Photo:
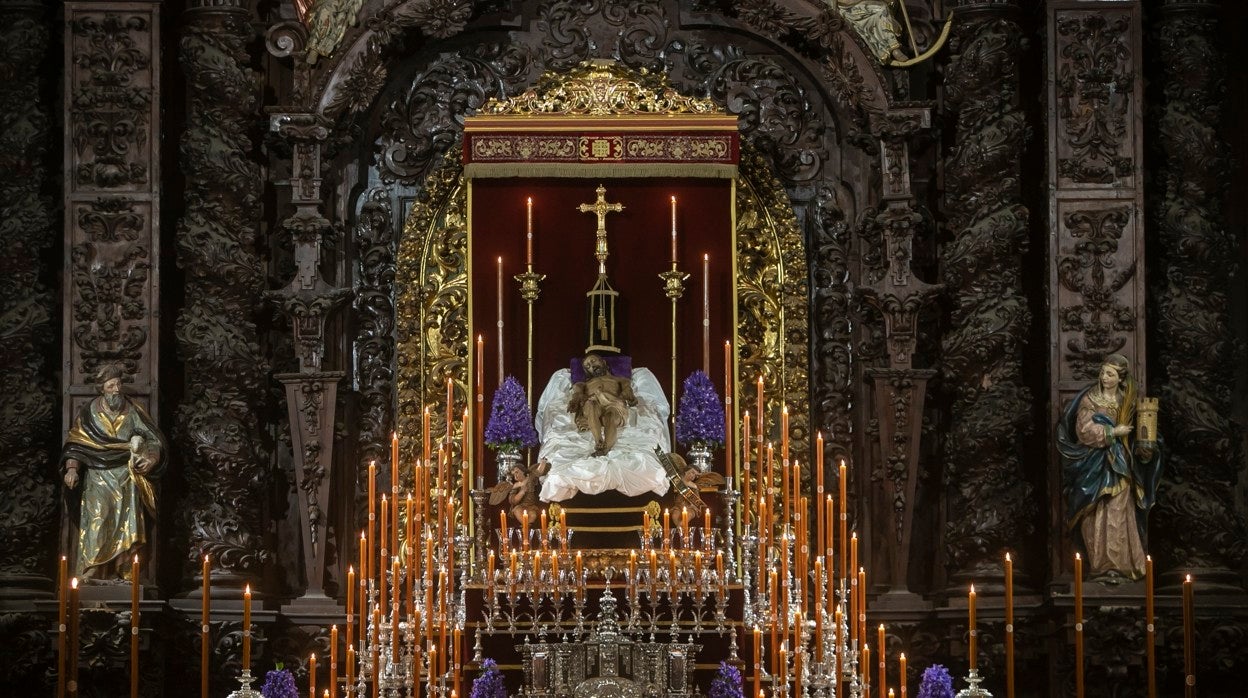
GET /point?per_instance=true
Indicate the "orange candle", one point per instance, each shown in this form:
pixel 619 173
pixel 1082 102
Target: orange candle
pixel 758 663
pixel 1078 626
pixel 837 619
pixel 350 657
pixel 728 441
pixel 543 529
pixel 312 676
pixel 204 626
pixel 1009 626
pixel 427 449
pixel 134 627
pixel 350 607
pixel 673 232
pixel 667 527
pixel 760 425
pixel 862 604
pixel 383 553
pixel 247 628
pixel 72 681
pixel 563 530
pixel 866 672
pixel 489 570
pixel 372 515
pixel 333 662
pixel 745 470
pixel 500 320
pixel 707 535
pixel 706 314
pixel 480 393
pixel 524 529
pixel 580 570
pixel 1150 627
pixel 844 512
pixel 394 464
pixel 881 660
pixel 820 533
pixel 901 673
pixel 62 599
pixel 1189 638
pixel 970 609
pixel 684 526
pixel 654 566
pixel 504 531
pixel 853 589
pixel 528 237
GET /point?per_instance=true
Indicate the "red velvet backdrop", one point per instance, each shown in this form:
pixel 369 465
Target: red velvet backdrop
pixel 639 242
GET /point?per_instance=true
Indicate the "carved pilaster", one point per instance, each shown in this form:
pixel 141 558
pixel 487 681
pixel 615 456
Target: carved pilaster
pixel 28 415
pixel 1198 527
pixel 219 422
pixel 1096 251
pixel 308 301
pixel 900 389
pixel 374 340
pixel 111 198
pixel 990 507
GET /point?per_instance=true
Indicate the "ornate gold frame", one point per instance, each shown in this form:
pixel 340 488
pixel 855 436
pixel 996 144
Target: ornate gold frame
pixel 770 312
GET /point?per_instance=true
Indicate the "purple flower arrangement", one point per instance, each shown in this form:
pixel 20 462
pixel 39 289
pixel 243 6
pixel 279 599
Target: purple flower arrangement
pixel 936 683
pixel 700 417
pixel 279 683
pixel 511 426
pixel 490 683
pixel 727 682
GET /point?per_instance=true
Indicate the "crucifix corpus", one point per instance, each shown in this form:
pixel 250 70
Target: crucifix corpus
pixel 601 208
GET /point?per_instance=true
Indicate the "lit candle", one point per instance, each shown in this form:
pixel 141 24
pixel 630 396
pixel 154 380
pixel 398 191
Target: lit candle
pixel 760 425
pixel 862 604
pixel 1189 638
pixel 853 589
pixel 1009 626
pixel 351 667
pixel 667 527
pixel 480 449
pixel 524 529
pixel 707 534
pixel 394 462
pixel 513 567
pixel 671 564
pixel 1078 626
pixel 312 675
pixel 504 531
pixel 866 673
pixel 673 232
pixel 350 606
pixel 1150 626
pixel 500 320
pixel 427 448
pixel 839 649
pixel 719 571
pixel 204 627
pixel 383 554
pixel 706 314
pixel 970 609
pixel 745 463
pixel 784 435
pixel 450 416
pixel 632 568
pixel 134 627
pixel 528 249
pixel 563 530
pixel 654 566
pixel 72 682
pixel 333 662
pixel 844 513
pixel 684 526
pixel 363 566
pixel 543 529
pixel 882 658
pixel 580 570
pixel 247 628
pixel 901 673
pixel 489 570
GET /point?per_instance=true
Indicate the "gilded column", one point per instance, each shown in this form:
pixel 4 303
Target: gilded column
pixel 1197 526
pixel 218 428
pixel 991 506
pixel 27 220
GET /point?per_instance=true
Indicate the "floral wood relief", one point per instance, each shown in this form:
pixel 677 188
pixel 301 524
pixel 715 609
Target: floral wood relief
pixel 1100 320
pixel 1094 92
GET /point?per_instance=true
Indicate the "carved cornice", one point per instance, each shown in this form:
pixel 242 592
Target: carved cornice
pixel 600 88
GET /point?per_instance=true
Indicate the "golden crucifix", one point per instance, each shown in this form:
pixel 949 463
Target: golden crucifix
pixel 601 208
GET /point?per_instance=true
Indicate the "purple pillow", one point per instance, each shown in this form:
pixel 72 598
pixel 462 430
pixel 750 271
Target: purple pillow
pixel 621 366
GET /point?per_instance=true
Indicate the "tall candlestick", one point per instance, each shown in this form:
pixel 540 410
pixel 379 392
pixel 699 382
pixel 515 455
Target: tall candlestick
pixel 134 627
pixel 350 605
pixel 247 628
pixel 706 314
pixel 1150 627
pixel 881 660
pixel 480 392
pixel 970 610
pixel 728 421
pixel 853 588
pixel 312 675
pixel 528 237
pixel 333 662
pixel 62 641
pixel 372 516
pixel 844 514
pixel 383 552
pixel 1189 638
pixel 673 231
pixel 1009 626
pixel 745 463
pixel 500 320
pixel 71 683
pixel 1078 626
pixel 901 674
pixel 821 534
pixel 758 664
pixel 760 426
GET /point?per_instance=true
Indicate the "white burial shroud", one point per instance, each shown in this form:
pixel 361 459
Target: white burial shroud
pixel 631 467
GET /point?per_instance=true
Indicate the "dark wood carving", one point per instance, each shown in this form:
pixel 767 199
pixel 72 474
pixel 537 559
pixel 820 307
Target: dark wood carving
pixel 218 428
pixel 991 506
pixel 28 662
pixel 112 190
pixel 1198 526
pixel 28 416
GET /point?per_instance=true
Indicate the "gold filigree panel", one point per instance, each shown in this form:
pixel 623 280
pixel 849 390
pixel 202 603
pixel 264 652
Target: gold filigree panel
pixel 601 88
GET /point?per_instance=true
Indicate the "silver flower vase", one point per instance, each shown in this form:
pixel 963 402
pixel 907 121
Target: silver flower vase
pixel 506 461
pixel 700 456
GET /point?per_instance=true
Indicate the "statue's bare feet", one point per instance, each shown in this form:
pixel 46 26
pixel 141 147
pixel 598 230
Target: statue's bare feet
pixel 600 450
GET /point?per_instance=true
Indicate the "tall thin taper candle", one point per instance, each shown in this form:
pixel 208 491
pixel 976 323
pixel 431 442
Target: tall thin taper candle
pixel 706 314
pixel 62 599
pixel 450 413
pixel 372 518
pixel 971 653
pixel 528 236
pixel 673 230
pixel 312 675
pixel 728 440
pixel 351 604
pixel 745 468
pixel 901 674
pixel 881 660
pixel 479 452
pixel 72 683
pixel 333 661
pixel 1009 626
pixel 427 447
pixel 204 627
pixel 866 671
pixel 134 627
pixel 821 534
pixel 1150 627
pixel 500 320
pixel 1189 638
pixel 247 628
pixel 1078 626
pixel 844 514
pixel 760 425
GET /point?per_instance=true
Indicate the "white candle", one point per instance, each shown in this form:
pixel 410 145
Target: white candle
pixel 528 250
pixel 706 314
pixel 500 320
pixel 673 231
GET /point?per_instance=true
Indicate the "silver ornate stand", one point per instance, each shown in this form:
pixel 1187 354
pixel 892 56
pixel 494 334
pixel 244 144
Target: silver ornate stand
pixel 245 690
pixel 973 690
pixel 700 456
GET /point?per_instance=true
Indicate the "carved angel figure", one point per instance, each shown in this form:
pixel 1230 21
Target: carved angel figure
pixel 327 22
pixel 521 490
pixel 688 481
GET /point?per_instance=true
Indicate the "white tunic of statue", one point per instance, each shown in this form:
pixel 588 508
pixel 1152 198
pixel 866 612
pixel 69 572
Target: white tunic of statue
pixel 630 467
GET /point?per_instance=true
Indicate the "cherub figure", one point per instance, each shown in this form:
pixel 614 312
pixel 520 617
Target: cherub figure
pixel 521 490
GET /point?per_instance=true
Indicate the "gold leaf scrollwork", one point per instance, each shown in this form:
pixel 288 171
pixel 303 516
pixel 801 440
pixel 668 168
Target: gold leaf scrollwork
pixel 600 88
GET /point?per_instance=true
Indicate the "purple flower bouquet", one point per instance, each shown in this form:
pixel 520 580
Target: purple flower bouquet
pixel 510 428
pixel 700 417
pixel 490 683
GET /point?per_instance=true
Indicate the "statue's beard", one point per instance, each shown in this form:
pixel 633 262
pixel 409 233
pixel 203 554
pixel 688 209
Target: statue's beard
pixel 113 401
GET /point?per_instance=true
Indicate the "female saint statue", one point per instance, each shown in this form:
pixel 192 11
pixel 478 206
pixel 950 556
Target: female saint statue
pixel 1109 478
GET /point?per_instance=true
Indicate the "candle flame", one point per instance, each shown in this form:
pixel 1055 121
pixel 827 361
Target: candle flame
pixel 972 588
pixel 74 582
pixel 1077 556
pixel 1189 579
pixel 1007 557
pixel 247 589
